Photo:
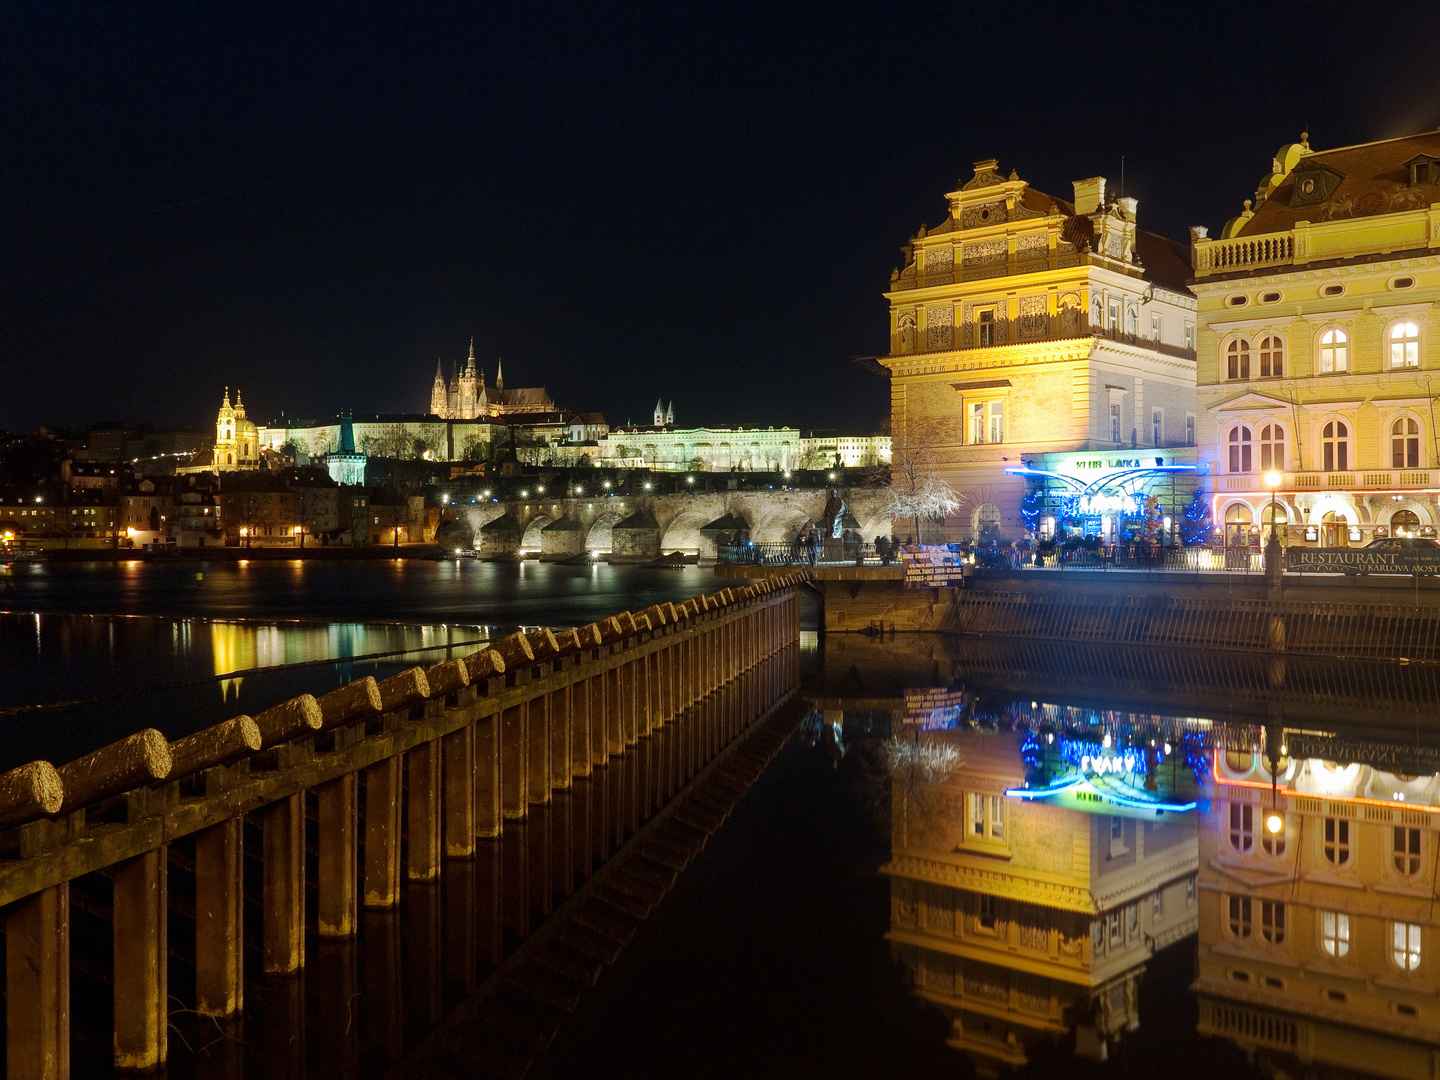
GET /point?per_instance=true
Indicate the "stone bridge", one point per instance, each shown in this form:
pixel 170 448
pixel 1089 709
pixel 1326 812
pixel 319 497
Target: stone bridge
pixel 651 525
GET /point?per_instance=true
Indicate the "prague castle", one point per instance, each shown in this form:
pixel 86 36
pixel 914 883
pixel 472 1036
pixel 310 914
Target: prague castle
pixel 466 397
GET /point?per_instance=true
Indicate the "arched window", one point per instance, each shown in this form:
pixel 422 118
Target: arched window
pixel 1240 449
pixel 1272 448
pixel 1405 444
pixel 1272 357
pixel 1405 523
pixel 1334 351
pixel 1335 446
pixel 1404 344
pixel 1238 355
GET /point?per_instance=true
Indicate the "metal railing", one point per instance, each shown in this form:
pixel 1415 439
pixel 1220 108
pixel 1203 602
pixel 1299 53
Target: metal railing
pixel 1195 559
pixel 795 553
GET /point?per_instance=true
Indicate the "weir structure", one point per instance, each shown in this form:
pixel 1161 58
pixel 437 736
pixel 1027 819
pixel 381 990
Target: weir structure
pixel 401 775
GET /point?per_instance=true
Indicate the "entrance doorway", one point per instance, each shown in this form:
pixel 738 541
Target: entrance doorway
pixel 1334 530
pixel 1238 520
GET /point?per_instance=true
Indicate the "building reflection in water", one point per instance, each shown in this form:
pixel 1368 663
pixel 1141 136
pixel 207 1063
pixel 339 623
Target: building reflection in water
pixel 1317 904
pixel 1042 853
pixel 1028 891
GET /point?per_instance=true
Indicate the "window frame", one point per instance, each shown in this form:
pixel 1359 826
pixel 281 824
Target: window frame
pixel 1407 945
pixel 1239 442
pixel 982 324
pixel 1406 348
pixel 1272 446
pixel 1115 421
pixel 1334 943
pixel 1407 858
pixel 1239 917
pixel 1237 359
pixel 1157 426
pixel 1335 445
pixel 1336 843
pixel 1333 351
pixel 1272 356
pixel 1272 922
pixel 1405 444
pixel 1241 831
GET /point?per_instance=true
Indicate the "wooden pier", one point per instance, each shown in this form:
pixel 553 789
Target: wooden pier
pixel 402 775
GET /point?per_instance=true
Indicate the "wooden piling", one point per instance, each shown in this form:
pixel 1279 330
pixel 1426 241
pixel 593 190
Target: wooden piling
pixel 140 959
pixel 298 716
pixel 37 986
pixel 458 749
pixel 219 922
pixel 382 834
pixel 423 812
pixel 132 762
pixel 216 745
pixel 336 874
pixel 283 944
pixel 29 792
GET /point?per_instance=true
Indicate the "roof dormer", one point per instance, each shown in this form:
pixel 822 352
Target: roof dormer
pixel 1315 182
pixel 1423 169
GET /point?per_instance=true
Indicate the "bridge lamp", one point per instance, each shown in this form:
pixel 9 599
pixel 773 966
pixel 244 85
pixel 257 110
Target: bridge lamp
pixel 606 485
pixel 1272 481
pixel 689 479
pixel 486 493
pixel 1274 822
pixel 647 485
pixel 524 493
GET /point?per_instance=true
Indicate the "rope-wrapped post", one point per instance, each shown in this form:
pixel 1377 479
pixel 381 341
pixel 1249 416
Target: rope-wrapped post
pixel 132 762
pixel 298 716
pixel 29 792
pixel 407 688
pixel 216 745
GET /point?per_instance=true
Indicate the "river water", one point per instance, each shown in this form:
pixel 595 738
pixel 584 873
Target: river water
pixel 972 857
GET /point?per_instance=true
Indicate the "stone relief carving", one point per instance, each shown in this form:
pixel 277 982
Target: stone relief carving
pixel 1035 936
pixel 972 217
pixel 1114 245
pixel 967 326
pixel 939 328
pixel 907 333
pixel 983 178
pixel 986 989
pixel 1070 315
pixel 1032 246
pixel 984 253
pixel 939 260
pixel 1034 319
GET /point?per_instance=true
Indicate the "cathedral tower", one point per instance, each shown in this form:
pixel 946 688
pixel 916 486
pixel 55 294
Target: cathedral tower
pixel 438 404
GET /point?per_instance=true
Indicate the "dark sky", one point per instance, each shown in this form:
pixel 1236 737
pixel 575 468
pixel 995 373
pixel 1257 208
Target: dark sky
pixel 622 200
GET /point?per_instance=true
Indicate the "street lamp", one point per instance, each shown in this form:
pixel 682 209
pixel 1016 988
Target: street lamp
pixel 1272 481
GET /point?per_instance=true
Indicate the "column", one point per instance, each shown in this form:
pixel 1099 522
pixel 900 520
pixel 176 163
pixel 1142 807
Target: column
pixel 538 748
pixel 140 957
pixel 514 764
pixel 458 750
pixel 37 986
pixel 219 921
pixel 283 944
pixel 336 872
pixel 562 768
pixel 382 833
pixel 488 790
pixel 422 763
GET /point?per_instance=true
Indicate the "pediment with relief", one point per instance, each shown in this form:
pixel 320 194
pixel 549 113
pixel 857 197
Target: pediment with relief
pixel 1250 400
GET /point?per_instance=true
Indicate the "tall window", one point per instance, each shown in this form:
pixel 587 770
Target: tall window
pixel 1406 945
pixel 1334 351
pixel 1272 357
pixel 1272 921
pixel 977 422
pixel 1157 427
pixel 1115 423
pixel 1113 316
pixel 1335 933
pixel 1404 344
pixel 1238 355
pixel 1239 916
pixel 1272 447
pixel 1155 327
pixel 1336 842
pixel 1407 851
pixel 1242 826
pixel 985 915
pixel 1335 446
pixel 1405 444
pixel 1240 449
pixel 1189 337
pixel 985 325
pixel 997 421
pixel 1189 431
pixel 987 816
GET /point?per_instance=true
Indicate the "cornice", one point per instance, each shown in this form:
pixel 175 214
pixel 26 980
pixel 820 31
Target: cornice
pixel 1163 872
pixel 996 957
pixel 1032 887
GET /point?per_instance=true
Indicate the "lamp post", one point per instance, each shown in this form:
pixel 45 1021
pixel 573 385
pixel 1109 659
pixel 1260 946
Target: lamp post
pixel 1272 544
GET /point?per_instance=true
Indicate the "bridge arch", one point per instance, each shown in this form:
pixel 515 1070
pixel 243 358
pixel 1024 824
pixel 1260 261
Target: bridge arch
pixel 682 532
pixel 531 540
pixel 781 525
pixel 600 536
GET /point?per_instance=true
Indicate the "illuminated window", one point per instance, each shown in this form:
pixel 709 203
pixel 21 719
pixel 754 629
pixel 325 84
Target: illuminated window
pixel 1406 945
pixel 1238 356
pixel 985 327
pixel 997 817
pixel 1405 444
pixel 997 422
pixel 977 423
pixel 1407 851
pixel 987 816
pixel 1132 919
pixel 1114 423
pixel 1272 358
pixel 1404 344
pixel 1239 917
pixel 1336 843
pixel 1189 891
pixel 1157 427
pixel 1335 446
pixel 1189 431
pixel 1157 904
pixel 1189 337
pixel 1334 353
pixel 1155 327
pixel 1114 927
pixel 1242 826
pixel 1272 447
pixel 1272 922
pixel 1130 321
pixel 1335 933
pixel 1240 461
pixel 1113 316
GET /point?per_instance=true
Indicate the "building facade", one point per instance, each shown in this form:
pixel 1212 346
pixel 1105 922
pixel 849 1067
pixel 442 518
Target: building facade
pixel 466 397
pixel 1318 346
pixel 237 443
pixel 700 449
pixel 1024 324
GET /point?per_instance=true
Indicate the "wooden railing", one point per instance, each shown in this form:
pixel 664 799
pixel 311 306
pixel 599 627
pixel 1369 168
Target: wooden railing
pixel 452 752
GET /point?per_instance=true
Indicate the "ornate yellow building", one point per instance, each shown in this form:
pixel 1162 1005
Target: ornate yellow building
pixel 1024 324
pixel 1023 919
pixel 1318 940
pixel 237 442
pixel 1317 347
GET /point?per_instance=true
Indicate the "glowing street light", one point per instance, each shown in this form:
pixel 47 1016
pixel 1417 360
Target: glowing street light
pixel 647 485
pixel 689 479
pixel 1272 481
pixel 1274 822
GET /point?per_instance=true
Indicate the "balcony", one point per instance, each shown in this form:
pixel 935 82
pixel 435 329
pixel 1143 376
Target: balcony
pixel 1244 253
pixel 1353 480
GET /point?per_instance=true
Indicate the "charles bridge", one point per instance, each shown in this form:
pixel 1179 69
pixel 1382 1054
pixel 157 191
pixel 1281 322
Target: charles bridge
pixel 640 528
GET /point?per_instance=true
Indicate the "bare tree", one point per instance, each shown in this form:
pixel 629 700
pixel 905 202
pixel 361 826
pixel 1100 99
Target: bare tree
pixel 917 490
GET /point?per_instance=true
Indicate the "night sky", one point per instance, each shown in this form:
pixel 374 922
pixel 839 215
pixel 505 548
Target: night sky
pixel 622 200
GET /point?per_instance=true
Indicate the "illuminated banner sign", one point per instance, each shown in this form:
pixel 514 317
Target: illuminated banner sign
pixel 931 567
pixel 1130 781
pixel 1362 561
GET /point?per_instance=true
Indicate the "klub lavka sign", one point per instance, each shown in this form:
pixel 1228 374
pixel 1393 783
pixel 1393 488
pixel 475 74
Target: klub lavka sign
pixel 1361 561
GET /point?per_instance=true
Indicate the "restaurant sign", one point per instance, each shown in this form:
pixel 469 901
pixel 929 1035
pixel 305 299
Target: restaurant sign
pixel 1300 560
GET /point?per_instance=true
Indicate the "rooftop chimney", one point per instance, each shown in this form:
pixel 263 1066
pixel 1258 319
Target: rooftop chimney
pixel 1129 205
pixel 1089 194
